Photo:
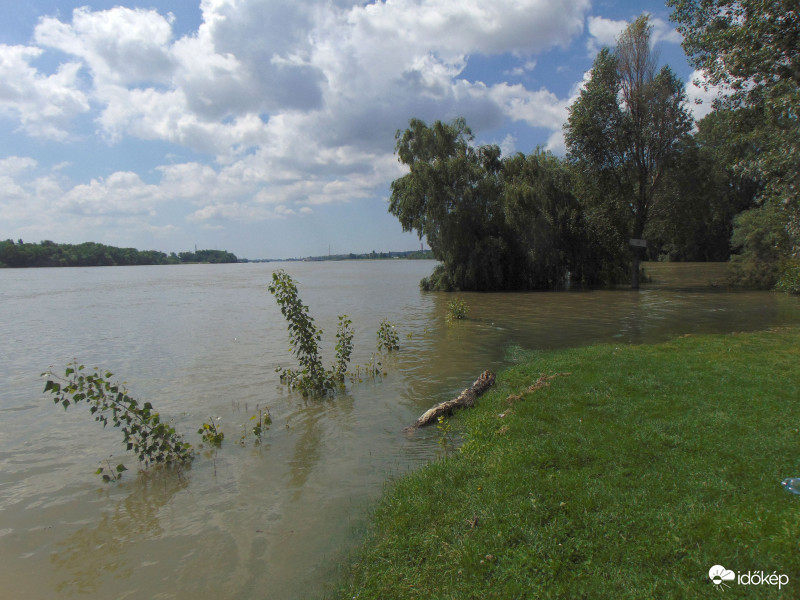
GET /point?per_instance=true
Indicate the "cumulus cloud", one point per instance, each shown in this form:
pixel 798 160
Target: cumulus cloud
pixel 664 32
pixel 43 104
pixel 700 95
pixel 603 32
pixel 122 193
pixel 121 45
pixel 290 103
pixel 13 165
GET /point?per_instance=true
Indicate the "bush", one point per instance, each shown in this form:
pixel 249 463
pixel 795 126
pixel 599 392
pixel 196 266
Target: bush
pixel 789 280
pixel 760 236
pixel 304 335
pixel 151 439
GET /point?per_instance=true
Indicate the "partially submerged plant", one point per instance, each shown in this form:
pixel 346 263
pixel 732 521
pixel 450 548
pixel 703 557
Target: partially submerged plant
pixel 304 338
pixel 212 433
pixel 387 336
pixel 344 348
pixel 263 420
pixel 372 368
pixel 113 473
pixel 152 440
pixel 456 310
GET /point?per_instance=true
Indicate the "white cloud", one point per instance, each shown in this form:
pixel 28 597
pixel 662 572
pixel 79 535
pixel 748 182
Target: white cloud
pixel 664 32
pixel 701 96
pixel 509 145
pixel 603 32
pixel 346 75
pixel 122 193
pixel 529 66
pixel 43 104
pixel 295 101
pixel 541 108
pixel 14 165
pixel 121 45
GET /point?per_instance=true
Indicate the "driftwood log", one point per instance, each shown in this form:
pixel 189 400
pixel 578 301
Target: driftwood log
pixel 466 399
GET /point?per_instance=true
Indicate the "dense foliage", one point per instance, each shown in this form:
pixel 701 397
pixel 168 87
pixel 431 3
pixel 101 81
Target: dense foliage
pixel 153 440
pixel 494 223
pixel 623 133
pixel 90 254
pixel 636 169
pixel 312 378
pixel 750 49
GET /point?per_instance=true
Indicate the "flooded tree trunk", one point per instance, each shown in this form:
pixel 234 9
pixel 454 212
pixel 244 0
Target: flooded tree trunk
pixel 465 399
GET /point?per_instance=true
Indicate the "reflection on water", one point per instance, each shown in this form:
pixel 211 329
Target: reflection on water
pixel 96 552
pixel 202 342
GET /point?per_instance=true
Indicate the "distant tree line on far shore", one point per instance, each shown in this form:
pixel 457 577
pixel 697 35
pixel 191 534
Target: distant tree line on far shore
pixel 410 254
pixel 90 254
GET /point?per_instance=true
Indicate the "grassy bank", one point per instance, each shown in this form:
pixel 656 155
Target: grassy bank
pixel 627 475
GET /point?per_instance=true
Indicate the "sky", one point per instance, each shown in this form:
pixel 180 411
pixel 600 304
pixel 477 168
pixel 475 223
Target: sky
pixel 267 127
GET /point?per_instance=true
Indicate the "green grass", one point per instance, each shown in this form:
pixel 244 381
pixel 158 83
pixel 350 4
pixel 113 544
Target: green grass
pixel 628 478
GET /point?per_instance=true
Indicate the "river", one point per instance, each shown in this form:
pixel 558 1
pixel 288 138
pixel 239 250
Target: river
pixel 200 342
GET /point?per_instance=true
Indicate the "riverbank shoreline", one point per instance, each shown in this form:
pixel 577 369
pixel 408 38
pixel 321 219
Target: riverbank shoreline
pixel 609 472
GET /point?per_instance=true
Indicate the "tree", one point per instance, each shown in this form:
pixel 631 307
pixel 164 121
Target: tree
pixel 701 195
pixel 451 196
pixel 751 49
pixel 622 133
pixel 493 223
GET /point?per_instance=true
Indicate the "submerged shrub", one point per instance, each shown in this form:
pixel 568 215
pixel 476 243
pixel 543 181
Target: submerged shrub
pixel 388 339
pixel 304 338
pixel 789 280
pixel 456 310
pixel 152 440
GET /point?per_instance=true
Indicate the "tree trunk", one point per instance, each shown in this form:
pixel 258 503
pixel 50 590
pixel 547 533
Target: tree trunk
pixel 465 400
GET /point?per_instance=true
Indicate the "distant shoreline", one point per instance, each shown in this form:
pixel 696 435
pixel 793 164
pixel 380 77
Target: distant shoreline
pixel 20 255
pixel 407 254
pixel 48 254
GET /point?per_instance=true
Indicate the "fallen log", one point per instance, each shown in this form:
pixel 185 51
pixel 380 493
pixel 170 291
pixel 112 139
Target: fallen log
pixel 465 399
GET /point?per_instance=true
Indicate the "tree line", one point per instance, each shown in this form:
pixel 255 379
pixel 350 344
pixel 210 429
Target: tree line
pixel 640 180
pixel 91 254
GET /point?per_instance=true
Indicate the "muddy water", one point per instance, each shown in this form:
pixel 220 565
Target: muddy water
pixel 202 342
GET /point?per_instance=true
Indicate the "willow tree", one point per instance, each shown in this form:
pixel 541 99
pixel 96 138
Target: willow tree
pixel 623 131
pixel 451 197
pixel 493 223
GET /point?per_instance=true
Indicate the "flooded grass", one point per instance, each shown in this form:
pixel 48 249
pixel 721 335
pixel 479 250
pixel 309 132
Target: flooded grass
pixel 629 475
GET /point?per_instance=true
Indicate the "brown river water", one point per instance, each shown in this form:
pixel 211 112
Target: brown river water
pixel 202 342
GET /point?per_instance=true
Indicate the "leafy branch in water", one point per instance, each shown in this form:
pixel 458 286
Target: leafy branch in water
pixel 457 310
pixel 263 421
pixel 387 336
pixel 152 440
pixel 211 433
pixel 304 338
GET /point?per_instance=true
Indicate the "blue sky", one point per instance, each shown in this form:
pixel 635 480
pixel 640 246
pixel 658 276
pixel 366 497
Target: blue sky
pixel 266 127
